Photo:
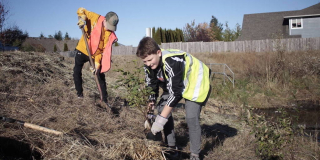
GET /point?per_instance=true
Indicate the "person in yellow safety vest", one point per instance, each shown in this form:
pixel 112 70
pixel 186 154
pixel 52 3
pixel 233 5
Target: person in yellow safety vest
pixel 180 75
pixel 100 35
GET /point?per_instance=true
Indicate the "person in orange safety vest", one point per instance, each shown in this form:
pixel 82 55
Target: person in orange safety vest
pixel 100 35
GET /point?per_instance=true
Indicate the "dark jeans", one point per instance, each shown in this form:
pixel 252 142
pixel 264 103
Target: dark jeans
pixel 80 59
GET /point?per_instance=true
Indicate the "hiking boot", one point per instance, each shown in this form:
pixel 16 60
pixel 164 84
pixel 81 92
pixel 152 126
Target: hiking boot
pixel 80 96
pixel 194 156
pixel 172 153
pixel 107 104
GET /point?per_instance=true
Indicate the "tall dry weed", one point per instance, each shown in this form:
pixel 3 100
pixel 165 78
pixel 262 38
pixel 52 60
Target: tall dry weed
pixel 274 76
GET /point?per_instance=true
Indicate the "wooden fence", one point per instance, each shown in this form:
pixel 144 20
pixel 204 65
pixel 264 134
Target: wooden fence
pixel 268 45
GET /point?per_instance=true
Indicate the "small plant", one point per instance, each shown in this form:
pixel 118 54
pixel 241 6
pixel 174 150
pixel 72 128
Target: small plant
pixel 271 135
pixel 133 82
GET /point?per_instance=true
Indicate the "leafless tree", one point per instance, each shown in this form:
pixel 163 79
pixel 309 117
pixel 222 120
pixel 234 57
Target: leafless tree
pixel 190 32
pixel 197 32
pixel 4 15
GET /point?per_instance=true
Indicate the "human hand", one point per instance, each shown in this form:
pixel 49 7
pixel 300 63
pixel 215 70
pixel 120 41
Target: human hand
pixel 151 106
pixel 151 117
pixel 157 126
pixel 82 21
pixel 93 70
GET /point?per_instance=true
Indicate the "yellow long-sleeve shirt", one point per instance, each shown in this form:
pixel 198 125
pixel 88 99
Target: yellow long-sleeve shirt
pixel 91 21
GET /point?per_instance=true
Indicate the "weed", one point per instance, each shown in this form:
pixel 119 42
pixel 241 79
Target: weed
pixel 271 135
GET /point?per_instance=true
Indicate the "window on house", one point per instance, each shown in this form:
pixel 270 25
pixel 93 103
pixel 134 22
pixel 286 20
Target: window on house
pixel 296 23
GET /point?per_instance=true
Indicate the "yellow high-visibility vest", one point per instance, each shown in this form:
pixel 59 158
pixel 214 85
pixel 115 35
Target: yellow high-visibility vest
pixel 196 75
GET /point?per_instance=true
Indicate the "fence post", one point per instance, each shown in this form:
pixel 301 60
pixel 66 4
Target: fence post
pixel 224 71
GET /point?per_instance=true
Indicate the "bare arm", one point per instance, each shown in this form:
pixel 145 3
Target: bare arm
pixel 166 111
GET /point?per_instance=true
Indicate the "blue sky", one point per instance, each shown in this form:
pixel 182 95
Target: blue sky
pixel 50 16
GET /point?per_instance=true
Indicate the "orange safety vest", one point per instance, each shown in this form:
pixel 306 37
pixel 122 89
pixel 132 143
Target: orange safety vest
pixel 94 44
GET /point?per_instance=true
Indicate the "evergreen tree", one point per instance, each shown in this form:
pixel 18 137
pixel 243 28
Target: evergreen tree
pixel 216 28
pixel 41 35
pixel 180 35
pixel 163 35
pixel 66 36
pixel 173 36
pixel 169 35
pixel 55 48
pixel 160 34
pixel 177 35
pixel 157 36
pixel 153 32
pixel 58 36
pixel 65 48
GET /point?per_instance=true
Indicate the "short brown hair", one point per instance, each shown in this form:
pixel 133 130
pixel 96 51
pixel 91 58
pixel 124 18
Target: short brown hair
pixel 147 46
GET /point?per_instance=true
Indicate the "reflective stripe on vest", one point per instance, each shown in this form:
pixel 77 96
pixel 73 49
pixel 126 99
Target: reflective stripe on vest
pixel 195 78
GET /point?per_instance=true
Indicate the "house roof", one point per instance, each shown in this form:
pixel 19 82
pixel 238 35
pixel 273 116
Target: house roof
pixel 297 16
pixel 270 25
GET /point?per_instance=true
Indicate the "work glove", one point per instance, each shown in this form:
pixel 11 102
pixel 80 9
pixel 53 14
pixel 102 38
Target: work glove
pixel 82 21
pixel 93 70
pixel 157 126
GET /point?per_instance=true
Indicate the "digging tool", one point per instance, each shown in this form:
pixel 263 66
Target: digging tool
pixel 92 64
pixel 150 118
pixel 32 126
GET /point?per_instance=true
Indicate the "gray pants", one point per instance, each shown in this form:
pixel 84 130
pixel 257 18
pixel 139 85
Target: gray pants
pixel 192 117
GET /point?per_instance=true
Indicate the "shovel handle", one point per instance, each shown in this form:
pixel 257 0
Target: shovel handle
pixel 88 49
pixel 91 61
pixel 40 128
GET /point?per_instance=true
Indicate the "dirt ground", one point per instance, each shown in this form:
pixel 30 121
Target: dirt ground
pixel 38 88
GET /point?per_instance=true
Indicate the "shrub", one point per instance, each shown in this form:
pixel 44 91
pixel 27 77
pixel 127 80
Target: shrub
pixel 133 81
pixel 65 48
pixel 55 48
pixel 27 48
pixel 271 135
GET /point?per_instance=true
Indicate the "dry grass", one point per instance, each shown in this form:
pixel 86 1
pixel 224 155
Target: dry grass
pixel 270 79
pixel 38 88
